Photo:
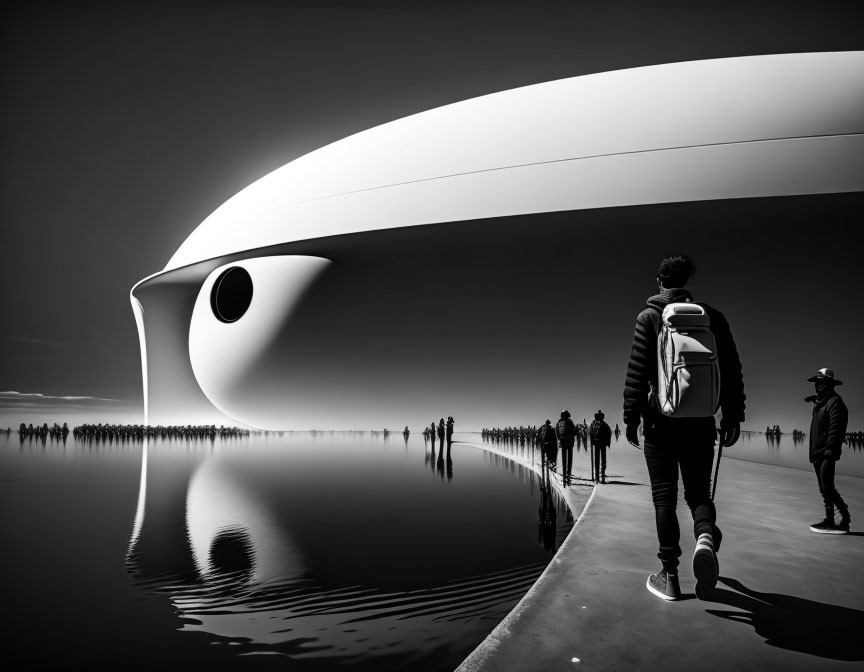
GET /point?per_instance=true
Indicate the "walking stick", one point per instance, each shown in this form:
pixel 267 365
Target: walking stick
pixel 717 468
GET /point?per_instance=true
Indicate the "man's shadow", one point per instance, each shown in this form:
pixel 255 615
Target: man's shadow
pixel 793 623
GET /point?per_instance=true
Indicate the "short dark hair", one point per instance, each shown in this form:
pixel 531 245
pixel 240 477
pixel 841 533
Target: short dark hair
pixel 675 271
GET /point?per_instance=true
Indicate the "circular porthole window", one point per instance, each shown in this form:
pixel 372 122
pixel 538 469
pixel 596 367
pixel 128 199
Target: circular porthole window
pixel 232 294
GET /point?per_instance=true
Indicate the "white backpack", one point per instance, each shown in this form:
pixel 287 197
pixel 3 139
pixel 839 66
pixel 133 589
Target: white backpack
pixel 688 374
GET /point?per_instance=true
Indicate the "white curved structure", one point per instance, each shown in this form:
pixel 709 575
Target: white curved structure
pixel 721 129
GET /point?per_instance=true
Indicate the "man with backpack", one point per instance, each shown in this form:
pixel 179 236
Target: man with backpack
pixel 601 439
pixel 683 366
pixel 566 431
pixel 827 433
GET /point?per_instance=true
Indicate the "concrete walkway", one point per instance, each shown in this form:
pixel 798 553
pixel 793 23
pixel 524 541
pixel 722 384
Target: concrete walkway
pixel 788 599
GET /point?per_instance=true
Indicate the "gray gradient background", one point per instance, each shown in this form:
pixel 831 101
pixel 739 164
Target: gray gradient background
pixel 125 126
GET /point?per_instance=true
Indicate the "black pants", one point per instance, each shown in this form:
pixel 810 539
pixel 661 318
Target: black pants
pixel 550 452
pixel 688 445
pixel 566 459
pixel 825 477
pixel 599 453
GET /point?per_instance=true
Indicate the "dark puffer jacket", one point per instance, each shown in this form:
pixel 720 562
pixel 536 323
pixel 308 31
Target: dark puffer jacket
pixel 828 427
pixel 567 437
pixel 600 433
pixel 641 381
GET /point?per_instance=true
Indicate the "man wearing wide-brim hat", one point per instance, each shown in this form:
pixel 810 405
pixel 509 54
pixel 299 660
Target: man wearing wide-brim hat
pixel 827 432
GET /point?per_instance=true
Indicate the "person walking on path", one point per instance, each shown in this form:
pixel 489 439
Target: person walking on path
pixel 685 443
pixel 827 432
pixel 601 439
pixel 549 444
pixel 566 432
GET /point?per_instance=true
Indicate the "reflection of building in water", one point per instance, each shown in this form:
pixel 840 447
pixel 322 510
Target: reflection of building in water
pixel 227 523
pixel 208 539
pixel 159 550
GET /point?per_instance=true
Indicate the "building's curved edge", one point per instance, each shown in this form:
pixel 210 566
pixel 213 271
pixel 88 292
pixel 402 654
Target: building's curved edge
pixel 735 99
pixel 775 167
pixel 477 658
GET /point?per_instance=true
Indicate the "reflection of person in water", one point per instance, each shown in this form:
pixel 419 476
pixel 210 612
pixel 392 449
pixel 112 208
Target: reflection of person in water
pixel 440 463
pixel 547 514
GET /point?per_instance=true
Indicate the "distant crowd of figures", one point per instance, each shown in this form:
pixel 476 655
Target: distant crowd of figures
pixel 108 432
pixel 523 435
pixel 853 439
pixel 55 431
pixel 444 430
pixel 531 434
pixel 138 432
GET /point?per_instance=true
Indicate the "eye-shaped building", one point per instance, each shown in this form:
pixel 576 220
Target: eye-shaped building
pixel 477 181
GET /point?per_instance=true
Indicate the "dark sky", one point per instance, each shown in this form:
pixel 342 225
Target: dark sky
pixel 126 124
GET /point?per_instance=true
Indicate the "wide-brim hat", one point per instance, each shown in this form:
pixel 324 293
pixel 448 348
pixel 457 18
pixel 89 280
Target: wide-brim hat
pixel 827 375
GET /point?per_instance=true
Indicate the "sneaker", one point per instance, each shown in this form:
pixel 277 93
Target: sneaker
pixel 706 568
pixel 664 585
pixel 843 526
pixel 824 527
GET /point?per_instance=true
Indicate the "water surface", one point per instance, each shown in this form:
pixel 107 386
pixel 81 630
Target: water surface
pixel 338 550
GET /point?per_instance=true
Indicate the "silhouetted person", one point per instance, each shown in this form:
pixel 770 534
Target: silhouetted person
pixel 441 431
pixel 566 432
pixel 601 439
pixel 549 444
pixel 449 430
pixel 432 435
pixel 827 431
pixel 686 443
